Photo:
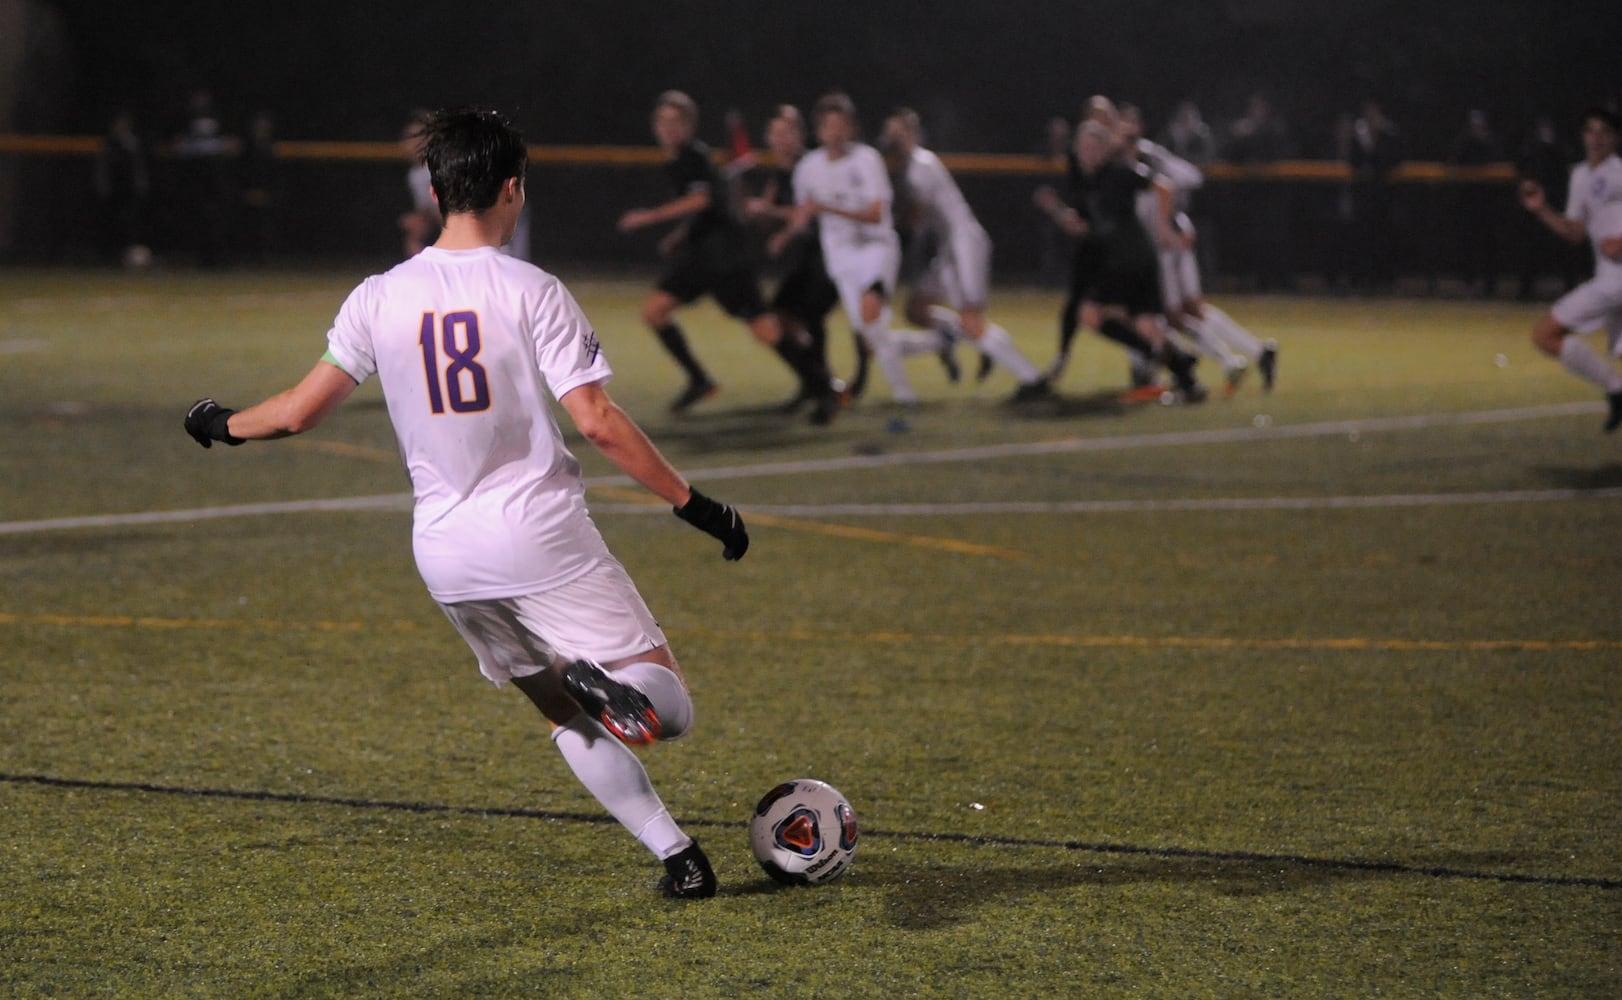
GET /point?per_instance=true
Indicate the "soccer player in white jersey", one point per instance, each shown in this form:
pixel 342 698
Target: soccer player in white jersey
pixel 843 186
pixel 467 344
pixel 1593 212
pixel 950 296
pixel 1212 330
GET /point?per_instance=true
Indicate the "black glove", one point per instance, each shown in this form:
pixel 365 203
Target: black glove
pixel 719 520
pixel 208 421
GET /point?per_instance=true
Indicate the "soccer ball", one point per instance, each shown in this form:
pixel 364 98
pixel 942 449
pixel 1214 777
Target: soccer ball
pixel 803 832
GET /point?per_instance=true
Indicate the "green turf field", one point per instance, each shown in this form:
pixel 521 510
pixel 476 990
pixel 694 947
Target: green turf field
pixel 1310 693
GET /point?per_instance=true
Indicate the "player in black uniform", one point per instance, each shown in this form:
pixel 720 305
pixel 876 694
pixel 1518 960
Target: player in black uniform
pixel 804 294
pixel 1115 277
pixel 708 253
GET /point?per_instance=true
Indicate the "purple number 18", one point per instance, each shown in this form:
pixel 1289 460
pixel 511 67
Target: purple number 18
pixel 466 384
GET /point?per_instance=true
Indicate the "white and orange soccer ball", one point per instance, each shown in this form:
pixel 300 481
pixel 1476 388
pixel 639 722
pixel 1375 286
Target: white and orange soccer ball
pixel 804 832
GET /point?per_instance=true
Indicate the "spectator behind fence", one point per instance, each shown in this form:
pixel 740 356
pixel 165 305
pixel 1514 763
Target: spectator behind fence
pixel 1259 227
pixel 1371 151
pixel 203 173
pixel 123 185
pixel 1544 158
pixel 1476 211
pixel 257 180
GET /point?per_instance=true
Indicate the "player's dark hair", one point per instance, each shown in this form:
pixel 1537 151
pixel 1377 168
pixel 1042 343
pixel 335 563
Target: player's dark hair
pixel 790 114
pixel 471 153
pixel 1606 114
pixel 835 102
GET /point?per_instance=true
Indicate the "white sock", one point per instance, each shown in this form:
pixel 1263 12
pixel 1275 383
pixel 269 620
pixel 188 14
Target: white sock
pixel 1579 359
pixel 1231 333
pixel 920 342
pixel 887 354
pixel 665 691
pixel 1141 368
pixel 613 775
pixel 948 322
pixel 1210 345
pixel 999 347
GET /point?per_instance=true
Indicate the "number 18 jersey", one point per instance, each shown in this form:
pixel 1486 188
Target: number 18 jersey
pixel 467 344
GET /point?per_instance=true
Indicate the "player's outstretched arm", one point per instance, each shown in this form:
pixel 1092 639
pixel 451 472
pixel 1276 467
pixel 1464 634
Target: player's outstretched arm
pixel 612 432
pixel 287 413
pixel 1534 201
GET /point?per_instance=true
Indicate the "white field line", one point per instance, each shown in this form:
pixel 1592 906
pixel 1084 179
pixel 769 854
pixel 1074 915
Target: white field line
pixel 1140 506
pixel 402 501
pixel 1130 441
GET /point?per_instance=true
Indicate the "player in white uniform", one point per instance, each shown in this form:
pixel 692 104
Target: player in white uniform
pixel 467 344
pixel 1593 212
pixel 1213 331
pixel 950 297
pixel 843 185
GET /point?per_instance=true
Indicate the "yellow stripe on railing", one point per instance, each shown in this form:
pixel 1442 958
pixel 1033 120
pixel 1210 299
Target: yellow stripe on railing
pixel 966 163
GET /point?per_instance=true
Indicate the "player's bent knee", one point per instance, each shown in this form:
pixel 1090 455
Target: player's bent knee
pixel 665 691
pixel 1548 334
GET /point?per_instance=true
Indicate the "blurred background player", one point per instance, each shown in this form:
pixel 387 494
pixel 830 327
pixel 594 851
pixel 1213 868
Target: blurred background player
pixel 950 295
pixel 501 533
pixel 1115 283
pixel 804 294
pixel 708 253
pixel 844 187
pixel 1593 212
pixel 419 227
pixel 1210 329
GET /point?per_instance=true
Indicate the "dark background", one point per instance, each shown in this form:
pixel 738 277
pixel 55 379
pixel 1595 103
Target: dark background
pixel 985 75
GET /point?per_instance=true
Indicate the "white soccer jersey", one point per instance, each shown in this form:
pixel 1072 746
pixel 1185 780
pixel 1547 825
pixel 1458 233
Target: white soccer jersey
pixel 467 344
pixel 945 209
pixel 850 183
pixel 960 274
pixel 1595 200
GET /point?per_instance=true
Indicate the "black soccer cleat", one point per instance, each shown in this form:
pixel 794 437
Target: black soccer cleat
pixel 858 381
pixel 1614 421
pixel 694 392
pixel 828 406
pixel 688 875
pixel 1032 392
pixel 984 371
pixel 622 709
pixel 1267 364
pixel 948 356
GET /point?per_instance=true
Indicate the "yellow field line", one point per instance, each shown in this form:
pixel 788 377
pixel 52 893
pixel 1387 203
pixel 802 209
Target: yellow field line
pixel 626 495
pixel 1167 641
pixel 875 638
pixel 222 624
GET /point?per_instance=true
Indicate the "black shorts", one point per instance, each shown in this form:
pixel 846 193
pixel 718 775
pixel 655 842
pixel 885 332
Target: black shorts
pixel 806 293
pixel 735 289
pixel 1086 267
pixel 1133 284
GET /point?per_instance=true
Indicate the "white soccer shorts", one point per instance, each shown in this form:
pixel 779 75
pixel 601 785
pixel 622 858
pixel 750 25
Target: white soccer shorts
pixel 960 274
pixel 1591 305
pixel 1179 277
pixel 598 616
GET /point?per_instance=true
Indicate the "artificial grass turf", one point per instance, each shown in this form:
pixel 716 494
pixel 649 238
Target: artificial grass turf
pixel 1321 751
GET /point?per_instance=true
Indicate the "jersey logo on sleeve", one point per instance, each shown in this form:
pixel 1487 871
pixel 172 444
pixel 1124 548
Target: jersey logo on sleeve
pixel 592 346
